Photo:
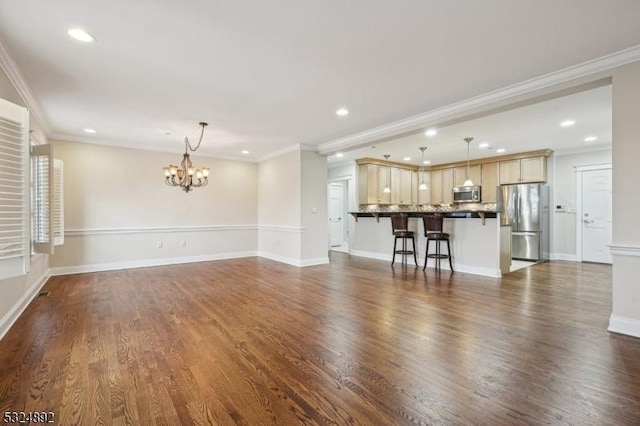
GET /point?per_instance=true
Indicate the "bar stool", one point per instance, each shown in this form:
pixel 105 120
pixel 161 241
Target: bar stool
pixel 400 228
pixel 433 232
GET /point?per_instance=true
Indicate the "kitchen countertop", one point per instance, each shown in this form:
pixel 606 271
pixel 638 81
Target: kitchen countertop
pixel 477 210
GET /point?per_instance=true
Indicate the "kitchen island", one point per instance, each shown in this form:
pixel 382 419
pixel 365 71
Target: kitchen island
pixel 475 234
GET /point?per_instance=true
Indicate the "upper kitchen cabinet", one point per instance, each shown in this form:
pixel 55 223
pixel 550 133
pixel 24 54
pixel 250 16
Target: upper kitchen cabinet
pixel 424 195
pixel 523 170
pixel 371 182
pixel 442 184
pixel 374 175
pixel 402 186
pixel 490 179
pixel 475 174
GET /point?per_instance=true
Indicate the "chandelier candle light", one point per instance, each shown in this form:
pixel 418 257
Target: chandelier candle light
pixel 187 176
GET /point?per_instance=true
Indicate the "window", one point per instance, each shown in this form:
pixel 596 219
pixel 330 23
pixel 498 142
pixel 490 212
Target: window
pixel 47 216
pixel 14 190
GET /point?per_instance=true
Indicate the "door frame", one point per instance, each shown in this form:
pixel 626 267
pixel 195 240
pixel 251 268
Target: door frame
pixel 347 181
pixel 345 232
pixel 579 170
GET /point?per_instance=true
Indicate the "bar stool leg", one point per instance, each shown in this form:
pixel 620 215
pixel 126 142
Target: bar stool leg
pixel 426 255
pixel 393 259
pixel 415 259
pixel 449 253
pixel 404 251
pixel 438 253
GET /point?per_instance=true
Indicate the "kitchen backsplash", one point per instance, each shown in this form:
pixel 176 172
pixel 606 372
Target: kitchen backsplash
pixel 482 207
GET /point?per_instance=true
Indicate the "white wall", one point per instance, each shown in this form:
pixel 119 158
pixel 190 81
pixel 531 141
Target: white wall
pixel 118 210
pixel 17 292
pixel 625 317
pixel 563 238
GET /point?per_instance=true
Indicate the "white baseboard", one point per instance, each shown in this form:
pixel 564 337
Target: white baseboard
pixel 623 325
pixel 7 321
pixel 293 261
pixel 79 269
pixel 380 256
pixel 477 270
pixel 563 256
pixel 315 261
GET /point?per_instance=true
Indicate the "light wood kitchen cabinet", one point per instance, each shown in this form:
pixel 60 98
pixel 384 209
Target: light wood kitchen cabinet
pixel 475 174
pixel 402 184
pixel 371 182
pixel 532 169
pixel 442 186
pixel 490 178
pixel 424 196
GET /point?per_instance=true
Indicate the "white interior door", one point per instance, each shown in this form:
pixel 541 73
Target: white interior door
pixel 596 216
pixel 336 212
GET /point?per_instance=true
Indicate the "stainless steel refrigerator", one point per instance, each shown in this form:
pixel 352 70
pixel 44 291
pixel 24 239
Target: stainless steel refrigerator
pixel 526 208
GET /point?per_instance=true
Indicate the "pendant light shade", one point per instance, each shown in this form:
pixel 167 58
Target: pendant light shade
pixel 423 186
pixel 468 182
pixel 387 188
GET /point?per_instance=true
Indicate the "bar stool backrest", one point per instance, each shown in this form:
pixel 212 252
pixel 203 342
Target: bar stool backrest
pixel 432 224
pixel 399 223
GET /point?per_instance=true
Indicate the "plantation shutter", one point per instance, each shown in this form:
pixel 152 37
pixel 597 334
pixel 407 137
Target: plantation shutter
pixel 57 216
pixel 14 190
pixel 41 199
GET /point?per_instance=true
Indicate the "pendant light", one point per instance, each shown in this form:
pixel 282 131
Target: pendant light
pixel 387 189
pixel 468 182
pixel 423 186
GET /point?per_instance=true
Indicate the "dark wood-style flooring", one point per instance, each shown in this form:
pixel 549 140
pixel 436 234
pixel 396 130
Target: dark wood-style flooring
pixel 251 341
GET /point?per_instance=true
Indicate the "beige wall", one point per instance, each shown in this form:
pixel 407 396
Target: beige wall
pixel 290 187
pixel 118 209
pixel 279 208
pixel 16 293
pixel 625 316
pixel 313 205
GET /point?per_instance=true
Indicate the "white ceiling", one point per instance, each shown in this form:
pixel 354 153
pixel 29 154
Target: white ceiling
pixel 522 129
pixel 269 74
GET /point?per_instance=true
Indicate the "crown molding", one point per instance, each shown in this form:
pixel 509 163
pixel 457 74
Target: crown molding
pixel 287 150
pixel 18 81
pixel 438 115
pixel 62 137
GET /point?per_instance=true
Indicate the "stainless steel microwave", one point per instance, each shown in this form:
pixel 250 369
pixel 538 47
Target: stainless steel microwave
pixel 466 194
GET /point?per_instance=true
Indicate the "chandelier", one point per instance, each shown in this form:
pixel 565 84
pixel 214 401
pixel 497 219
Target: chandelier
pixel 187 176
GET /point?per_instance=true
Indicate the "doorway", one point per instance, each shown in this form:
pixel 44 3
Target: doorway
pixel 338 224
pixel 594 218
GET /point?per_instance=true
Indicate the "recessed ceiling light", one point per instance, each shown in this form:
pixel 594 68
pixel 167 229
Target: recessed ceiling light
pixel 431 132
pixel 590 138
pixel 339 155
pixel 567 123
pixel 407 158
pixel 90 131
pixel 426 162
pixel 244 151
pixel 342 112
pixel 483 145
pixel 500 150
pixel 81 35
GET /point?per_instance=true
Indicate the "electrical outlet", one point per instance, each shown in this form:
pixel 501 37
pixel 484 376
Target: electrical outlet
pixel 183 243
pixel 159 244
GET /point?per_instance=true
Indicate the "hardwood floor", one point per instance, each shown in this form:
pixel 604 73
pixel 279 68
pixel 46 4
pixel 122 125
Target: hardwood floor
pixel 251 341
